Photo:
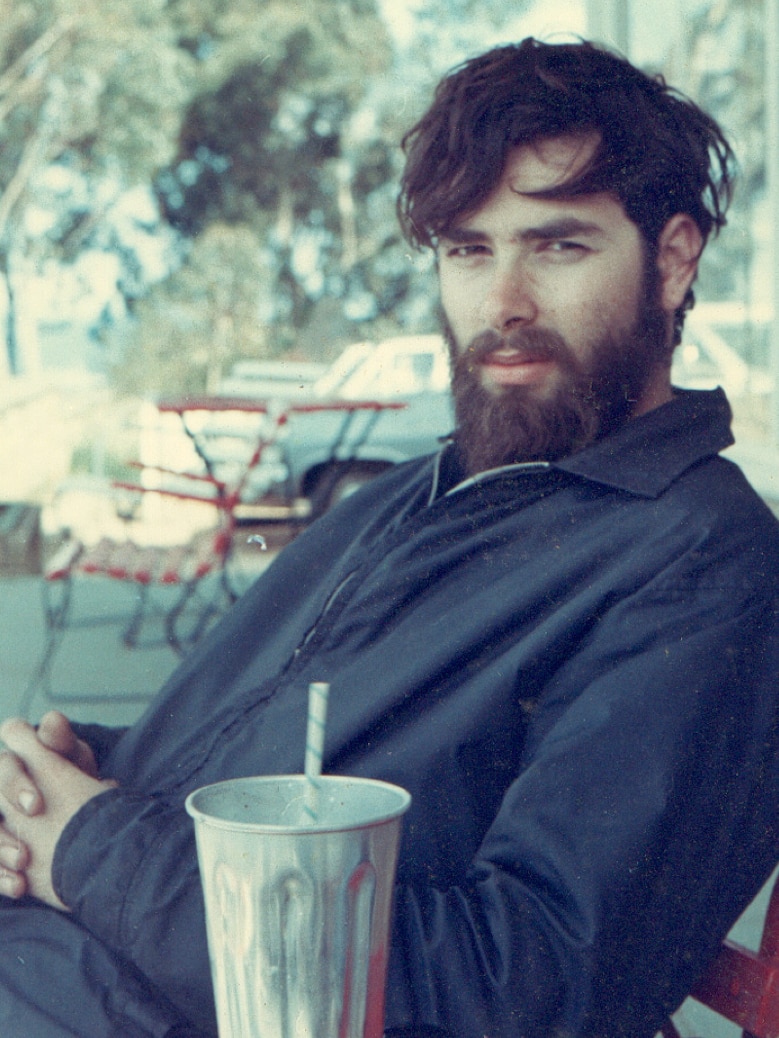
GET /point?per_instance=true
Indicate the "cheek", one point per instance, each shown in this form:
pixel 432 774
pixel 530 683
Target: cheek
pixel 448 296
pixel 623 283
pixel 460 330
pixel 612 303
pixel 460 299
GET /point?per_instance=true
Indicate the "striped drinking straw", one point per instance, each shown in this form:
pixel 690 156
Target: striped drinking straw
pixel 318 692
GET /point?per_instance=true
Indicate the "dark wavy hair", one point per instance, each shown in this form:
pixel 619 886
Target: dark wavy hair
pixel 658 152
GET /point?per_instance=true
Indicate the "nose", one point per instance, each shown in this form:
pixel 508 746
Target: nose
pixel 510 300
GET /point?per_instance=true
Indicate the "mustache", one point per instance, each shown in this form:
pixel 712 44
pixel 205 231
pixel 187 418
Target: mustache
pixel 538 343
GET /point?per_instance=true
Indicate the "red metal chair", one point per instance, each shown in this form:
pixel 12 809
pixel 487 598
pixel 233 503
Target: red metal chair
pixel 743 985
pixel 186 585
pixel 183 587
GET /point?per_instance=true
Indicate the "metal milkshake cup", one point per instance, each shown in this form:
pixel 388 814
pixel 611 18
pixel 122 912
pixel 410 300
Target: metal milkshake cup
pixel 298 909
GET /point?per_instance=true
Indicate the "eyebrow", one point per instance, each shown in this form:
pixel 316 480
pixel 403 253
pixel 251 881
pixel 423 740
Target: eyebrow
pixel 566 227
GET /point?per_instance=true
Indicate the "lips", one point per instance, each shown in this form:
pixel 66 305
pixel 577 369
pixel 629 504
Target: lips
pixel 509 357
pixel 511 367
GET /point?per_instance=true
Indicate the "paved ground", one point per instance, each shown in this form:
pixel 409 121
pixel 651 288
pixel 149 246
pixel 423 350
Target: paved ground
pixel 111 683
pixel 92 663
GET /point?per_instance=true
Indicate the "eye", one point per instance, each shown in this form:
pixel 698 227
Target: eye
pixel 465 251
pixel 564 249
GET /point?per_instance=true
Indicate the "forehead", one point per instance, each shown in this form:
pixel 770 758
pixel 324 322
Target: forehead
pixel 547 163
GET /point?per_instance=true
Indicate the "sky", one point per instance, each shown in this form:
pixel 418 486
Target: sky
pixel 544 19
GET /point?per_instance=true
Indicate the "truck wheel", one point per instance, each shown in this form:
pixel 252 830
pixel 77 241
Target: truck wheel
pixel 338 482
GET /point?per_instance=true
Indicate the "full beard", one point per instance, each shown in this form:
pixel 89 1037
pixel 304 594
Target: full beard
pixel 589 400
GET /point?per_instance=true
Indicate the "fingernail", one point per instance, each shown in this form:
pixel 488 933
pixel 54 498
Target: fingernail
pixel 27 801
pixel 13 858
pixel 9 884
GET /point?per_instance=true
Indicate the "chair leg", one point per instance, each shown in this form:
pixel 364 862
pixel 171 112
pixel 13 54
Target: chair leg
pixel 209 608
pixel 58 606
pixel 132 631
pixel 56 610
pixel 148 608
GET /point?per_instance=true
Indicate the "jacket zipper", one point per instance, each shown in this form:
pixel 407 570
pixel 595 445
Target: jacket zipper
pixel 333 596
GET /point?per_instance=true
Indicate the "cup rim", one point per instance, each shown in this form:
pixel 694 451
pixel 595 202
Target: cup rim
pixel 323 781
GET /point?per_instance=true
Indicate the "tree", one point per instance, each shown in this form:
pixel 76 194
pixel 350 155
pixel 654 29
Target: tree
pixel 267 145
pixel 199 319
pixel 100 95
pixel 725 44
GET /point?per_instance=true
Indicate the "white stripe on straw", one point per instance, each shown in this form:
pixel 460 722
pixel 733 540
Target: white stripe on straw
pixel 315 737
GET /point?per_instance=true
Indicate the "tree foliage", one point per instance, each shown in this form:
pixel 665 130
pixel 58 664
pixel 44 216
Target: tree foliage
pixel 96 94
pixel 266 145
pixel 234 111
pixel 198 320
pixel 726 43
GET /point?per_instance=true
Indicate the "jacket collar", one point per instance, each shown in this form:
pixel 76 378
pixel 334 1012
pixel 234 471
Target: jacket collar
pixel 647 453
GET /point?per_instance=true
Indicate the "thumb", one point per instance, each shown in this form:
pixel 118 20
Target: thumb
pixel 54 731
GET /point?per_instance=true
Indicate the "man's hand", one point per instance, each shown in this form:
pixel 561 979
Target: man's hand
pixel 45 778
pixel 54 731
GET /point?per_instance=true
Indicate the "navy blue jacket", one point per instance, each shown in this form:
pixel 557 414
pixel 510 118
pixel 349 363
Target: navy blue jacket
pixel 573 669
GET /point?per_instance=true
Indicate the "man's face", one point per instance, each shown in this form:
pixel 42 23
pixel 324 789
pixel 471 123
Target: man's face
pixel 551 313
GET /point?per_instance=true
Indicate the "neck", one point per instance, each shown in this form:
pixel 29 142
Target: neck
pixel 657 391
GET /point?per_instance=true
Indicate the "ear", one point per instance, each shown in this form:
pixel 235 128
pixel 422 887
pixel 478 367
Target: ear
pixel 678 250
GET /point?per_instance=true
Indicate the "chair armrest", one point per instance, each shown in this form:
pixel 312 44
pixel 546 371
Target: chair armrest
pixel 743 987
pixel 62 561
pixel 197 477
pixel 221 499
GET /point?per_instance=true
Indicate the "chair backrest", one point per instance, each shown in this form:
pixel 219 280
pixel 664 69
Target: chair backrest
pixel 743 985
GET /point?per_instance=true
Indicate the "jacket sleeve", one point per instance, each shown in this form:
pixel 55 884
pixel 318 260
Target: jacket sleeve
pixel 126 866
pixel 644 819
pixel 100 738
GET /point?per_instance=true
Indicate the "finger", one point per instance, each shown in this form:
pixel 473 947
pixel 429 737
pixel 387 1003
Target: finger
pixel 14 855
pixel 15 726
pixel 23 789
pixel 12 884
pixel 14 860
pixel 59 780
pixel 55 732
pixel 21 738
pixel 17 786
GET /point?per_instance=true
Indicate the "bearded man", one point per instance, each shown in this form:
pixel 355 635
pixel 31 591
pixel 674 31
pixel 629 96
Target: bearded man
pixel 560 633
